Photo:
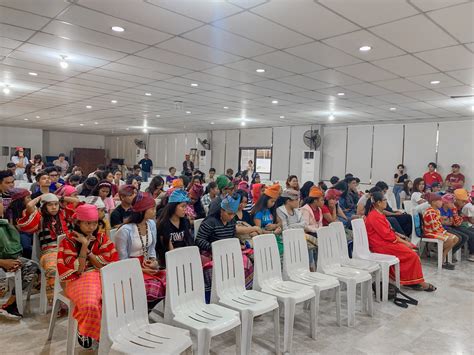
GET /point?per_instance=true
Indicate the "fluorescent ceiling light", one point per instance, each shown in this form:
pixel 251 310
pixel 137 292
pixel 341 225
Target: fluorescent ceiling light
pixel 118 29
pixel 365 48
pixel 274 101
pixel 33 73
pixel 434 82
pixel 260 70
pixel 113 101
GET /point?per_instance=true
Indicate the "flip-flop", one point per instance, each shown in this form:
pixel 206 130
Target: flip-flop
pixel 430 288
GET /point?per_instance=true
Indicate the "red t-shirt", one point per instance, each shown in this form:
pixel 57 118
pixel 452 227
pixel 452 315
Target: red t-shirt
pixel 431 178
pixel 456 180
pixel 325 210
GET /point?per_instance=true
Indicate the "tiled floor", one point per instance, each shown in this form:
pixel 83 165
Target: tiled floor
pixel 442 323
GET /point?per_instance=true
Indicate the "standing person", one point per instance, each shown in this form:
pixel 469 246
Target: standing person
pixel 383 240
pixel 146 165
pixel 81 255
pixel 38 163
pixel 127 194
pixel 7 182
pixel 455 180
pixel 20 161
pixel 137 238
pixel 213 191
pixel 292 183
pixel 250 168
pixel 173 227
pixel 172 176
pixel 211 177
pixel 398 180
pixel 433 228
pixel 188 165
pixel 432 176
pixel 62 163
pixel 229 173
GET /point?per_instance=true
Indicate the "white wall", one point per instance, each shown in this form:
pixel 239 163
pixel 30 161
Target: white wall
pixel 20 137
pixel 64 142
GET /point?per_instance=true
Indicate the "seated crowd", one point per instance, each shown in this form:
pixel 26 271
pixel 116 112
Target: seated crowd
pixel 72 216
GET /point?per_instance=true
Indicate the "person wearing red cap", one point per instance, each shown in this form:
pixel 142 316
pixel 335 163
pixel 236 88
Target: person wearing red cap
pixel 384 240
pixel 331 210
pixel 433 227
pixel 137 238
pixel 81 255
pixel 194 209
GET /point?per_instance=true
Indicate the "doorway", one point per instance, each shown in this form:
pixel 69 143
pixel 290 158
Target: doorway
pixel 261 159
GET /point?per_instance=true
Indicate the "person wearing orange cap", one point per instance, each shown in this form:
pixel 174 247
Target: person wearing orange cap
pixel 264 213
pixel 433 228
pixel 312 209
pixel 81 255
pixel 137 238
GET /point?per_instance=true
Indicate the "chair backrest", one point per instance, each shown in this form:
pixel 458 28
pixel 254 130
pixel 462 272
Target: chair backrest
pixel 328 249
pixel 228 270
pixel 35 248
pixel 340 235
pixel 391 200
pixel 57 283
pixel 295 257
pixel 197 224
pixel 361 240
pixel 123 297
pixel 184 279
pixel 408 206
pixel 113 233
pixel 266 260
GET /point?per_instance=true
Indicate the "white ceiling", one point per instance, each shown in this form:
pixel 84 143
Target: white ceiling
pixel 308 48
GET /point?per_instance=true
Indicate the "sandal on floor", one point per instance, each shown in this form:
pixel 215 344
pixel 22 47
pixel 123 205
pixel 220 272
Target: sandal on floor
pixel 430 288
pixel 416 287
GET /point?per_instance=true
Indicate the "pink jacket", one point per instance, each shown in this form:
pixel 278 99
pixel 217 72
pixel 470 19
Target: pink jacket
pixel 312 224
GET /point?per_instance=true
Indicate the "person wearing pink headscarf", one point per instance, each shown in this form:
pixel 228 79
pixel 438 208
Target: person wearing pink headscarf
pixel 81 255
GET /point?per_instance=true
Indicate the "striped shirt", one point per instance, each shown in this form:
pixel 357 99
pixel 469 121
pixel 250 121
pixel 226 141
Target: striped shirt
pixel 211 230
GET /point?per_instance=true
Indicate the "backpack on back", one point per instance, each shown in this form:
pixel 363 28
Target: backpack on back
pixel 10 246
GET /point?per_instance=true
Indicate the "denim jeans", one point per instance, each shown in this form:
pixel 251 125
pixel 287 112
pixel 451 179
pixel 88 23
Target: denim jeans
pixel 145 175
pixel 396 191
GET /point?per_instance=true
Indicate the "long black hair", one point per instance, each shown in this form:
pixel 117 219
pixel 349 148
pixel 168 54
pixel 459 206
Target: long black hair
pixel 407 190
pixel 155 184
pixel 304 191
pixel 135 217
pixel 15 210
pixel 262 205
pixel 377 196
pixel 28 172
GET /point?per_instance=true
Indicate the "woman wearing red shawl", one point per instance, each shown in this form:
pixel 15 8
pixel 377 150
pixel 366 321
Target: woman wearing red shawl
pixel 80 257
pixel 383 240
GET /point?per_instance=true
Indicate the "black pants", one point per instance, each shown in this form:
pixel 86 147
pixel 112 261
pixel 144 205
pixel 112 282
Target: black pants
pixel 464 234
pixel 396 225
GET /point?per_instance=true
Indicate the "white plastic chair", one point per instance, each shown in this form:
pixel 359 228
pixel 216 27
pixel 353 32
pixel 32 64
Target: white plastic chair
pixel 268 279
pixel 228 289
pixel 35 256
pixel 408 206
pixel 60 296
pixel 361 251
pixel 370 266
pixel 296 268
pixel 329 262
pixel 125 328
pixel 15 282
pixel 197 224
pixel 185 301
pixel 113 233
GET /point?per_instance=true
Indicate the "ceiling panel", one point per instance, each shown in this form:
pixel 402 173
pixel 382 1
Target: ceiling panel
pixel 405 65
pixel 21 18
pixel 206 11
pixel 288 62
pixel 367 72
pixel 456 20
pixel 323 55
pixel 427 5
pixel 450 58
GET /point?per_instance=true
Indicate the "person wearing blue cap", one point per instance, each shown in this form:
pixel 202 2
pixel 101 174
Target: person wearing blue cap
pixel 217 226
pixel 173 226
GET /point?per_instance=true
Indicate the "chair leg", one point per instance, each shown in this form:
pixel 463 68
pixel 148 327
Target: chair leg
pixel 370 299
pixel 204 342
pixel 247 330
pixel 239 341
pixel 385 278
pixel 19 291
pixel 440 255
pixel 338 305
pixel 43 299
pixel 450 256
pixel 378 274
pixel 52 320
pixel 363 297
pixel 288 326
pixel 71 332
pixel 276 321
pixel 397 274
pixel 314 314
pixel 351 300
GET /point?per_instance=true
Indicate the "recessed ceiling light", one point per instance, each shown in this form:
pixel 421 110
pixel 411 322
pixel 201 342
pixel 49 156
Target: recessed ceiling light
pixel 118 29
pixel 148 94
pixel 260 70
pixel 365 48
pixel 145 130
pixel 127 129
pixel 212 122
pixel 274 101
pixel 226 107
pixel 393 108
pixel 188 112
pixel 113 101
pixel 88 106
pixel 81 124
pixel 243 123
pixel 33 73
pixel 37 116
pixel 194 85
pixel 331 117
pixel 26 119
pixel 6 90
pixel 157 116
pixel 63 64
pixel 340 94
pixel 434 82
pixel 282 116
pixel 96 122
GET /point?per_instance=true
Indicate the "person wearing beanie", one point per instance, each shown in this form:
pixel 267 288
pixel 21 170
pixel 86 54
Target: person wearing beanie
pixel 384 240
pixel 137 238
pixel 127 194
pixel 225 187
pixel 48 222
pixel 81 255
pixel 265 216
pixel 217 226
pixel 452 222
pixel 433 227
